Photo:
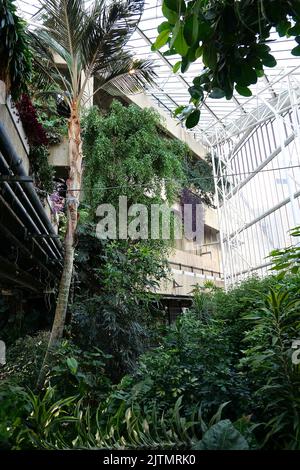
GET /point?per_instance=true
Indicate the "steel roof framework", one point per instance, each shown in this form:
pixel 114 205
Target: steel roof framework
pixel 255 143
pixel 250 141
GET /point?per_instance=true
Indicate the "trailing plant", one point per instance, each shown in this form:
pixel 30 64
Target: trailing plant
pixel 200 179
pixel 117 306
pixel 38 141
pixel 230 37
pixel 34 130
pixel 141 164
pixel 42 171
pixel 15 56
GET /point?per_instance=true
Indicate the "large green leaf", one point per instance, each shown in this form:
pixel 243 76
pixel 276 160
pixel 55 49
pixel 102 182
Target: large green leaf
pixel 245 74
pixel 175 5
pixel 222 436
pixel 209 55
pixel 283 27
pixel 180 44
pixel 72 364
pixel 217 93
pixel 175 33
pixel 244 91
pixel 163 26
pixel 296 51
pixel 196 92
pixel 269 61
pixel 191 30
pixel 161 39
pixel 172 8
pixel 193 119
pixel 176 66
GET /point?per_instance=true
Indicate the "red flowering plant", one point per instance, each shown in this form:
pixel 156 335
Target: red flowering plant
pixel 34 130
pixel 38 142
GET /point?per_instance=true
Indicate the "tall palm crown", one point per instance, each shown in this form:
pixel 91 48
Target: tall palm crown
pixel 90 37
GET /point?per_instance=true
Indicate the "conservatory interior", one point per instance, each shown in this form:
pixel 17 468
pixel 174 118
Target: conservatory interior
pixel 149 225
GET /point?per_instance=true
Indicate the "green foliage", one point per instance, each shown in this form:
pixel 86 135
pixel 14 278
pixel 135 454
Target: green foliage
pixel 269 359
pixel 54 124
pixel 129 428
pixel 114 310
pixel 79 372
pixel 73 371
pixel 15 57
pixel 127 155
pixel 13 410
pixel 43 172
pixel 222 436
pixel 287 260
pixel 231 306
pixel 45 418
pixel 231 38
pixel 24 359
pixel 194 361
pixel 231 352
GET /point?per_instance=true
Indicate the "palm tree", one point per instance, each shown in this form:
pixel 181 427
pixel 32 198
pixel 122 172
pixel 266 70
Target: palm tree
pixel 91 41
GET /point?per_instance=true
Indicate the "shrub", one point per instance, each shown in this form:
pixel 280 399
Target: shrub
pixel 24 359
pixel 194 361
pixel 72 372
pixel 268 361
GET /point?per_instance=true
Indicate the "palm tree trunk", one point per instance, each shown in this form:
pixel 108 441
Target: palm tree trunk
pixel 72 202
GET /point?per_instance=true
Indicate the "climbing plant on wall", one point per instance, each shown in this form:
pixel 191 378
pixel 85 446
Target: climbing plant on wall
pixel 15 57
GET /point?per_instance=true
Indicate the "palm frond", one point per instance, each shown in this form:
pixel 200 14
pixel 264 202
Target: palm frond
pixel 45 65
pixel 127 76
pixel 108 27
pixel 90 40
pixel 65 20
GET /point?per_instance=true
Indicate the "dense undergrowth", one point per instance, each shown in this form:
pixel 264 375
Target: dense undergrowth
pixel 223 369
pixel 220 377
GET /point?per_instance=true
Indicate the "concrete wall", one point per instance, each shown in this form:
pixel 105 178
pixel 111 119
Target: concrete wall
pixel 11 121
pixel 182 283
pixel 59 155
pixel 211 218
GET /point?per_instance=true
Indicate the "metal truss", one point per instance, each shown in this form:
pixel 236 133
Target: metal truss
pixel 256 161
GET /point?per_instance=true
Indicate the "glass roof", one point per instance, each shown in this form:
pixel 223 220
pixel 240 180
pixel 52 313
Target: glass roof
pixel 171 90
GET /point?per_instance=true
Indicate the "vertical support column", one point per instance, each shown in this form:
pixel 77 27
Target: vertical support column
pixel 219 178
pixel 287 163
